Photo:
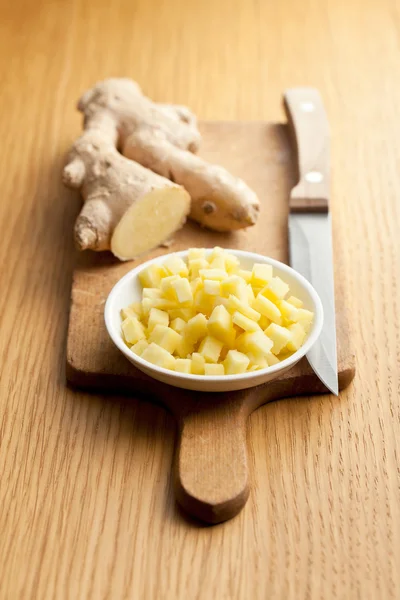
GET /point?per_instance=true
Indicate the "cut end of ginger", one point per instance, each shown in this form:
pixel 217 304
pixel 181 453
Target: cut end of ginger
pixel 208 316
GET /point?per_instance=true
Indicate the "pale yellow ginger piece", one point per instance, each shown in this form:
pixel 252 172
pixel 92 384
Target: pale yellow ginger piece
pixel 184 348
pixel 151 277
pixel 256 342
pixel 133 310
pixel 264 322
pixel 215 274
pixel 232 263
pixel 250 294
pixel 272 359
pixel 132 330
pixel 181 313
pixel 210 348
pixel 196 284
pixel 214 369
pixel 267 308
pixel 161 303
pixel 304 318
pixel 297 337
pixel 158 356
pixel 183 291
pixel 196 253
pixel 177 324
pixel 157 317
pixel 165 337
pixel 195 328
pixel 212 287
pixel 183 365
pixel 167 288
pixel 196 265
pixel 203 303
pixel 198 364
pixel 253 368
pixel 261 274
pixel 257 360
pixel 151 293
pixel 280 336
pixel 235 362
pixel 236 286
pixel 215 253
pixel 218 263
pixel 244 322
pixel 289 312
pixel 176 266
pixel 220 325
pixel 245 274
pixel 275 290
pixel 295 301
pixel 139 347
pixel 235 304
pixel 162 138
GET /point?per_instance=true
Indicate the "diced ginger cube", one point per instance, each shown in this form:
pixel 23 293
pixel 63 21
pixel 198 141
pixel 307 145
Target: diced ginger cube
pixel 256 342
pixel 133 310
pixel 176 266
pixel 152 276
pixel 157 317
pixel 232 263
pixel 195 328
pixel 250 294
pixel 261 274
pixel 194 253
pixel 235 304
pixel 297 337
pixel 151 293
pixel 218 262
pixel 210 348
pixel 264 322
pixel 272 359
pixel 166 286
pixel 245 274
pixel 196 265
pixel 305 318
pixel 183 291
pixel 183 365
pixel 216 251
pixel 198 364
pixel 132 330
pixel 184 348
pixel 253 368
pixel 220 325
pixel 214 369
pixel 178 324
pixel 280 336
pixel 289 312
pixel 196 285
pixel 235 362
pixel 236 286
pixel 267 308
pixel 159 356
pixel 181 313
pixel 295 301
pixel 275 290
pixel 215 274
pixel 139 347
pixel 244 322
pixel 212 287
pixel 165 337
pixel 258 360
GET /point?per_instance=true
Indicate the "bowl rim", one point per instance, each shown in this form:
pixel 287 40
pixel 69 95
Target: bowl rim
pixel 271 370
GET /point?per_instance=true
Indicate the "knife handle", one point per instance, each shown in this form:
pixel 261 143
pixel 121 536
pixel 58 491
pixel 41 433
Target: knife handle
pixel 310 130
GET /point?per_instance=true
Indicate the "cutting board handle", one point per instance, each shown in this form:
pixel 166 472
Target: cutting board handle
pixel 211 471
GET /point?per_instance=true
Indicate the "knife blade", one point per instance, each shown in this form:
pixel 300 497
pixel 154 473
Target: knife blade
pixel 310 229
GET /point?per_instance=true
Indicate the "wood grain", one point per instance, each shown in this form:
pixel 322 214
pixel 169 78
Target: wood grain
pixel 211 468
pixel 87 509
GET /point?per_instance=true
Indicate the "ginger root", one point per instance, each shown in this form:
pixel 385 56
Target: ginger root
pixel 127 208
pixel 163 138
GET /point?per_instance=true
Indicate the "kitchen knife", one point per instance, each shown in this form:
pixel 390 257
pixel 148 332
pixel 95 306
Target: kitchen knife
pixel 310 231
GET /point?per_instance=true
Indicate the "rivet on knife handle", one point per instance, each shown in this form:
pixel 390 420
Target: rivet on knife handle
pixel 310 129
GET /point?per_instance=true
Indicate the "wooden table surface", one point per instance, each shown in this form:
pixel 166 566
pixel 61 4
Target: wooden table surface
pixel 86 505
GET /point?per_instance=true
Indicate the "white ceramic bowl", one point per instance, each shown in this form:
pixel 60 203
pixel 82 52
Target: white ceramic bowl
pixel 128 290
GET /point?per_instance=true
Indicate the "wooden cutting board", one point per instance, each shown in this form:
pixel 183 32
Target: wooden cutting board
pixel 211 470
